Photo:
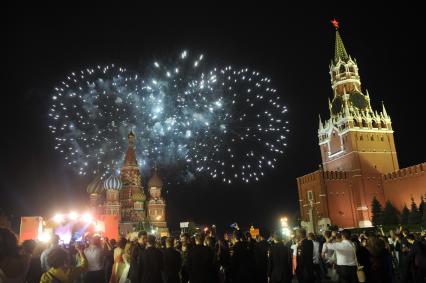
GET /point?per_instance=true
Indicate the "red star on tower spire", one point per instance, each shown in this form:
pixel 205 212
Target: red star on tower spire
pixel 335 23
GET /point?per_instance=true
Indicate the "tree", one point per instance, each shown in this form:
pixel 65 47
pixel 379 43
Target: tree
pixel 413 218
pixel 424 216
pixel 421 207
pixel 390 214
pixel 404 215
pixel 376 209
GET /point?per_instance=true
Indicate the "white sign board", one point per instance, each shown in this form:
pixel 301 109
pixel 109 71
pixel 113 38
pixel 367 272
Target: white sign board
pixel 184 224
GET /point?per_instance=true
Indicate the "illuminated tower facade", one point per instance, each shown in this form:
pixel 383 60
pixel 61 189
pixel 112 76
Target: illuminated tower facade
pixel 156 203
pixel 131 179
pixel 112 187
pixel 95 191
pixel 355 137
pixel 359 159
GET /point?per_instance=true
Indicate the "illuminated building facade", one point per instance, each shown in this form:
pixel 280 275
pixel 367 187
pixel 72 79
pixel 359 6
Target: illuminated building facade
pixel 123 196
pixel 359 158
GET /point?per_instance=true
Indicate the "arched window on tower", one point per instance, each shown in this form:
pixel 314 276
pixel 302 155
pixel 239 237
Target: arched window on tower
pixel 374 124
pixel 352 69
pixel 382 125
pixel 364 123
pixel 361 138
pixel 356 124
pixel 342 69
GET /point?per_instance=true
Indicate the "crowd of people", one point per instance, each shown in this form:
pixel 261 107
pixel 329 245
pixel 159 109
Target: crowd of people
pixel 334 256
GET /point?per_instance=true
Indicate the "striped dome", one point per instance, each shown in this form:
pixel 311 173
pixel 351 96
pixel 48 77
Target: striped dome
pixel 138 196
pixel 95 187
pixel 112 183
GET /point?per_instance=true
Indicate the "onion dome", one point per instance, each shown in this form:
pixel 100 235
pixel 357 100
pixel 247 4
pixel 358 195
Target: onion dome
pixel 113 183
pixel 155 181
pixel 138 196
pixel 95 187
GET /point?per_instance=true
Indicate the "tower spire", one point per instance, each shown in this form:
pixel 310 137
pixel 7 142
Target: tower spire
pixel 385 114
pixel 340 50
pixel 130 159
pixel 321 126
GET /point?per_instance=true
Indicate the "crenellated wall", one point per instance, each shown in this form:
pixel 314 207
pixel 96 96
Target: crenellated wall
pixel 402 185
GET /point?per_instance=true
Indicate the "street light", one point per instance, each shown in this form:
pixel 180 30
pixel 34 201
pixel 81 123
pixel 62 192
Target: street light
pixel 87 217
pixel 58 218
pixel 73 215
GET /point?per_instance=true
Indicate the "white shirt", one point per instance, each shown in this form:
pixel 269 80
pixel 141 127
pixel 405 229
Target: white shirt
pixel 294 248
pixel 345 252
pixel 95 258
pixel 316 252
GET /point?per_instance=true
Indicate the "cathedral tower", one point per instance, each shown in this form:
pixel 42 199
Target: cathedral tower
pixel 95 191
pixel 131 178
pixel 112 187
pixel 156 203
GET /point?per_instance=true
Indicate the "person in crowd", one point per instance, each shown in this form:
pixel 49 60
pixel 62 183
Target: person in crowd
pixel 305 254
pixel 293 247
pixel 362 254
pixel 224 255
pixel 279 261
pixel 109 247
pixel 329 257
pixel 184 250
pixel 151 263
pixel 118 275
pixel 316 257
pixel 200 262
pixel 260 253
pixel 135 255
pixel 345 258
pixel 242 262
pixel 211 244
pixel 95 256
pixel 60 269
pixel 380 269
pixel 13 265
pixel 404 261
pixel 34 271
pixel 417 258
pixel 54 242
pixel 172 262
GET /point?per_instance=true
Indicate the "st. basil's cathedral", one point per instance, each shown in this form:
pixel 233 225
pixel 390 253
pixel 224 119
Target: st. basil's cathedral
pixel 124 198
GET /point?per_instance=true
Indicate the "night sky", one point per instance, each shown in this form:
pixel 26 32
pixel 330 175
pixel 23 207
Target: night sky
pixel 292 48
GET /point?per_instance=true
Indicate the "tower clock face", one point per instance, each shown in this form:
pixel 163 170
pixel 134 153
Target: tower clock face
pixel 358 100
pixel 336 105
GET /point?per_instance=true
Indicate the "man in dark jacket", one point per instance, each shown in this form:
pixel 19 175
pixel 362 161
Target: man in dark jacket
pixel 304 258
pixel 242 262
pixel 279 265
pixel 200 262
pixel 151 263
pixel 135 255
pixel 260 252
pixel 185 247
pixel 417 258
pixel 172 262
